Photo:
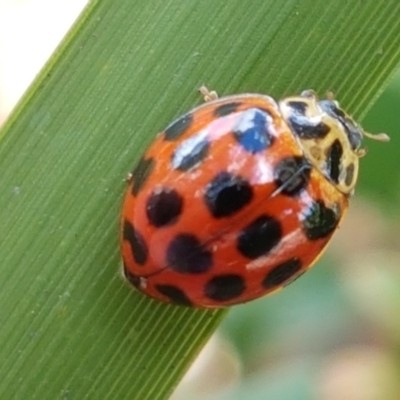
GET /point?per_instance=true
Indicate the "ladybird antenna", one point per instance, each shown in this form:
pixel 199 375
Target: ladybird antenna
pixel 380 137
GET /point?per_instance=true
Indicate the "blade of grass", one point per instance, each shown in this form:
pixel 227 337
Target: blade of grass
pixel 70 328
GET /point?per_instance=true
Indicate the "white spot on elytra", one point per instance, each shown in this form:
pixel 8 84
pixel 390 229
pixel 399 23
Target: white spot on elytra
pixel 187 147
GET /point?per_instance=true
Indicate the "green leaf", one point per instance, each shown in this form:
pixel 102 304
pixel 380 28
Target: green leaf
pixel 70 327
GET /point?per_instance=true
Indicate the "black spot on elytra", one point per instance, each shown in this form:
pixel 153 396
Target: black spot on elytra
pixel 176 295
pixel 226 109
pixel 227 194
pixel 224 287
pixel 137 243
pixel 334 158
pixel 280 274
pixel 350 170
pixel 292 175
pixel 164 207
pixel 178 127
pixel 186 255
pixel 141 173
pixel 259 237
pixel 132 278
pixel 306 129
pixel 252 131
pixel 190 153
pixel 320 221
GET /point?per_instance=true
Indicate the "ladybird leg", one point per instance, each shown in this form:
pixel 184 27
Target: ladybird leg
pixel 330 95
pixel 208 95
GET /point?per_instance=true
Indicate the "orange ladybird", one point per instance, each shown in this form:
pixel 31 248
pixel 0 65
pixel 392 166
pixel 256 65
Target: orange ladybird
pixel 239 197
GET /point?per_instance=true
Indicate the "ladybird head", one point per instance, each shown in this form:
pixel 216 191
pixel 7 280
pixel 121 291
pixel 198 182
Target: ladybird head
pixel 329 137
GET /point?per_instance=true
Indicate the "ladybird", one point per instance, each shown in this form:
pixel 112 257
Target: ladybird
pixel 238 198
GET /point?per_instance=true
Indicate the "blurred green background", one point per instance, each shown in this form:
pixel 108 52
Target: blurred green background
pixel 334 333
